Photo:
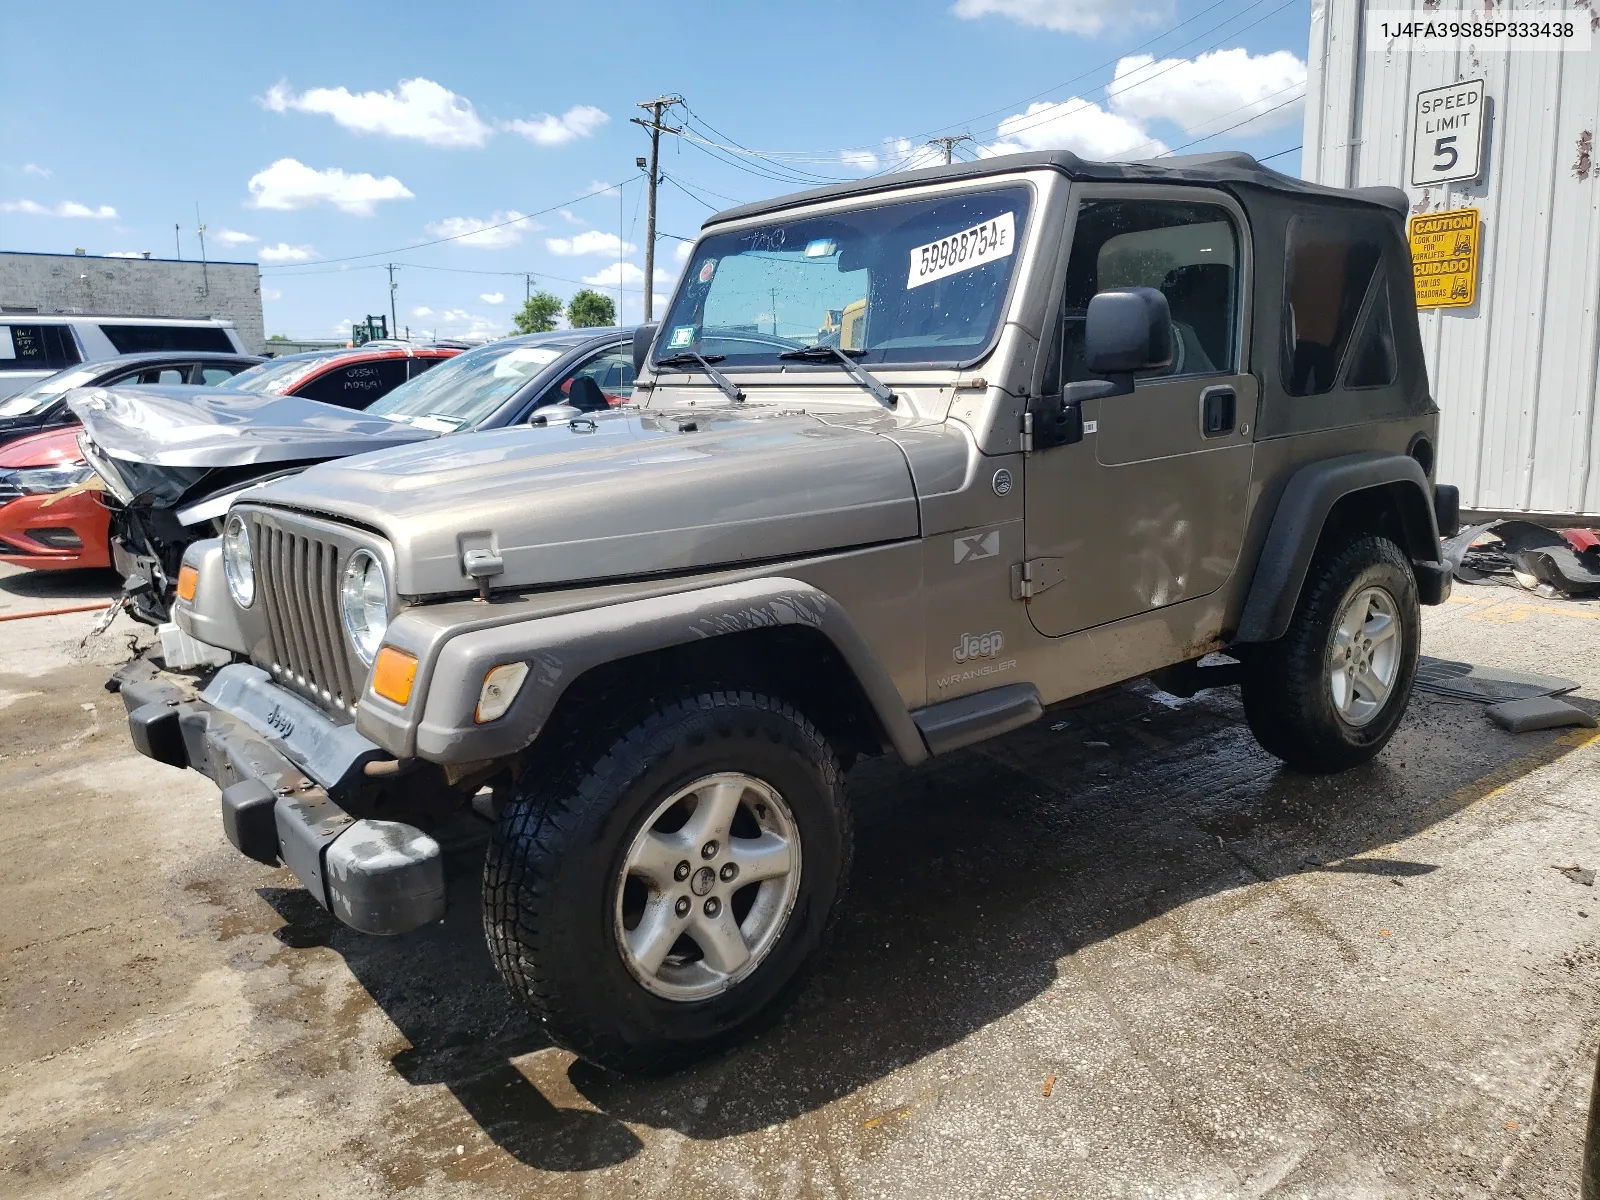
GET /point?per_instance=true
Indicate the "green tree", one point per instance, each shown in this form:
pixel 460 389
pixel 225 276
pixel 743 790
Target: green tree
pixel 539 314
pixel 588 309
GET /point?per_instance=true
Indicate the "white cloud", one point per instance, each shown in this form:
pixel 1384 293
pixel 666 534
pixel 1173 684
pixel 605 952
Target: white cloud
pixel 631 276
pixel 271 294
pixel 232 237
pixel 590 241
pixel 422 310
pixel 67 208
pixel 1087 17
pixel 683 250
pixel 455 314
pixel 570 217
pixel 289 184
pixel 284 252
pixel 864 160
pixel 579 121
pixel 37 171
pixel 1195 94
pixel 601 186
pixel 492 297
pixel 419 109
pixel 470 231
pixel 1078 125
pixel 125 254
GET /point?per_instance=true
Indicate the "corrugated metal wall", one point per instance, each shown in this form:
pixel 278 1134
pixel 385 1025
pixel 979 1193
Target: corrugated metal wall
pixel 1516 374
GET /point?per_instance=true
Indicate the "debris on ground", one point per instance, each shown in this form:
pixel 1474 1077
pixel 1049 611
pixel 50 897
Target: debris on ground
pixel 1488 685
pixel 1538 712
pixel 1552 563
pixel 1577 874
pixel 1049 1085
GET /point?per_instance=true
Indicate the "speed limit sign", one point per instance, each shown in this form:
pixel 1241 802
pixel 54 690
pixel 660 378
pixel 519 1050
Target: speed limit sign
pixel 1447 138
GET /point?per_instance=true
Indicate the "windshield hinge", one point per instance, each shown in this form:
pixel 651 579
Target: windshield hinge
pixel 1027 432
pixel 1035 575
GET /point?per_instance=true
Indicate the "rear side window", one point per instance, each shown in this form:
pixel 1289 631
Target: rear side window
pixel 1374 362
pixel 37 348
pixel 356 385
pixel 213 375
pixel 420 365
pixel 137 339
pixel 1330 269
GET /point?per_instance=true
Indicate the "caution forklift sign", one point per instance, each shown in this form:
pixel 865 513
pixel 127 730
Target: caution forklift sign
pixel 1444 258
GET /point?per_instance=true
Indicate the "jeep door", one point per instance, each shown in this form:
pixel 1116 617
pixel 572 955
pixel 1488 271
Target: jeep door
pixel 1149 508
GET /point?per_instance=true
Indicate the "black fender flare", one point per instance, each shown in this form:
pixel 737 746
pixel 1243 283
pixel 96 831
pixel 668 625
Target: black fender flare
pixel 560 648
pixel 1297 526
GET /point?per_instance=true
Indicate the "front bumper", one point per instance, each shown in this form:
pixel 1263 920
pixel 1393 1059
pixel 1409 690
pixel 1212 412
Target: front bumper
pixel 277 759
pixel 39 531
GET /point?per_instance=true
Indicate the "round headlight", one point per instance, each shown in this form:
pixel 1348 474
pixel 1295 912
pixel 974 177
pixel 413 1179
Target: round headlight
pixel 365 601
pixel 236 562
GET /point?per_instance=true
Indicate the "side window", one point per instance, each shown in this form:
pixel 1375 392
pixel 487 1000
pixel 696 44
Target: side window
pixel 356 385
pixel 1329 269
pixel 1373 363
pixel 37 348
pixel 136 339
pixel 420 366
pixel 611 373
pixel 1188 252
pixel 211 376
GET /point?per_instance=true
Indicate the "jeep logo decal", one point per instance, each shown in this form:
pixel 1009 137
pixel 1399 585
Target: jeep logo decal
pixel 280 721
pixel 979 646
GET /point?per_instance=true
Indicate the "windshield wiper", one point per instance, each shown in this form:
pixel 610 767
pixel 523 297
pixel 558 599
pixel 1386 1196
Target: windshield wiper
pixel 689 358
pixel 880 391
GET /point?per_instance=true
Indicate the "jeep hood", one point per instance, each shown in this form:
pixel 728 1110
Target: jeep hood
pixel 623 495
pixel 212 428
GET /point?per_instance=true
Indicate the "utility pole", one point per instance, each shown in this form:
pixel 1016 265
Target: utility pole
pixel 205 277
pixel 949 144
pixel 656 108
pixel 177 240
pixel 394 321
pixel 527 287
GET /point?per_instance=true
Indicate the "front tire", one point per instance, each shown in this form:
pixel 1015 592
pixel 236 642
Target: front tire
pixel 1329 694
pixel 650 904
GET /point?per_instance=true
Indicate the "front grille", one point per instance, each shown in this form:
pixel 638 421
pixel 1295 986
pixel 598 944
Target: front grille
pixel 297 582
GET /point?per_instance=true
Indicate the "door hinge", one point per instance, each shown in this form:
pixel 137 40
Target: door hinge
pixel 1027 432
pixel 1036 575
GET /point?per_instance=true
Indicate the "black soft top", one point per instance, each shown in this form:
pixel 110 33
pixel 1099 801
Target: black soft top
pixel 1216 170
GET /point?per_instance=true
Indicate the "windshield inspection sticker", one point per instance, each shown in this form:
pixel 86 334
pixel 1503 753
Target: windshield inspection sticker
pixel 962 251
pixel 683 335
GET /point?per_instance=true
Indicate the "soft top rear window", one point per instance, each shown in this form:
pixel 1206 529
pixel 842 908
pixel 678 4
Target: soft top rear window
pixel 138 339
pixel 1331 262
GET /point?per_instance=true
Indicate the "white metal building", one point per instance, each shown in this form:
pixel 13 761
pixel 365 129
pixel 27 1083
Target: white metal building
pixel 1515 371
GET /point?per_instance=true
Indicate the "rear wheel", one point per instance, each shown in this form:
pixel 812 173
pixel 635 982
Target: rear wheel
pixel 1330 693
pixel 655 901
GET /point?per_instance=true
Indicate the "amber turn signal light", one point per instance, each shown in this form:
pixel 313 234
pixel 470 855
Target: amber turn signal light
pixel 188 580
pixel 393 673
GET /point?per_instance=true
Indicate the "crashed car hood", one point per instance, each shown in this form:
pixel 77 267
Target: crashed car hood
pixel 622 495
pixel 210 428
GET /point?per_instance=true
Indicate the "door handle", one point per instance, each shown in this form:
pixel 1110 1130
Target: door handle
pixel 1218 411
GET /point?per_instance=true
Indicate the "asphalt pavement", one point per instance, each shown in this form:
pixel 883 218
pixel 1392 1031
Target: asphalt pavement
pixel 1120 952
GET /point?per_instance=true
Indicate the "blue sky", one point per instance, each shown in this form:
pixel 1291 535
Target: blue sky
pixel 337 138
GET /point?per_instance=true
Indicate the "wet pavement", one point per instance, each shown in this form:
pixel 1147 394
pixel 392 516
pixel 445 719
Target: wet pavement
pixel 1117 953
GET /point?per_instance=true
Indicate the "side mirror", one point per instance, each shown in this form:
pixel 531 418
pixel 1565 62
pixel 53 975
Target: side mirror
pixel 643 338
pixel 1127 331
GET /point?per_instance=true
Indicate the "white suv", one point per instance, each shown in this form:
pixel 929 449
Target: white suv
pixel 34 345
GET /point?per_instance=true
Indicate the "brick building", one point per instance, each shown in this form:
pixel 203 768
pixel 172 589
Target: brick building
pixel 154 287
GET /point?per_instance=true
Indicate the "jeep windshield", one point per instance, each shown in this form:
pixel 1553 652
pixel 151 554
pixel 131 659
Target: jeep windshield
pixel 915 281
pixel 468 388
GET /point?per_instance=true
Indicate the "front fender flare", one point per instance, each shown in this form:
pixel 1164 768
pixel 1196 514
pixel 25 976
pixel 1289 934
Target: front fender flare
pixel 1297 525
pixel 558 649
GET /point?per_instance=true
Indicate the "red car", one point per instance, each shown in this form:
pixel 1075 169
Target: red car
pixel 51 515
pixel 350 378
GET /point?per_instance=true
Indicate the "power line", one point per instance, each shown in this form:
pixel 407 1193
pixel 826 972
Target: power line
pixel 1279 154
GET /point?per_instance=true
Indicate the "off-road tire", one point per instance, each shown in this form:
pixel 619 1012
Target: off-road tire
pixel 1286 683
pixel 559 845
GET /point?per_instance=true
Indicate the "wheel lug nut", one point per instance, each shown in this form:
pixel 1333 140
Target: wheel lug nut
pixel 709 850
pixel 681 871
pixel 682 906
pixel 729 870
pixel 713 906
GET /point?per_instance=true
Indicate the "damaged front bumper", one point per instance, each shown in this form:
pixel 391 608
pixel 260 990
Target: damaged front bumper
pixel 279 761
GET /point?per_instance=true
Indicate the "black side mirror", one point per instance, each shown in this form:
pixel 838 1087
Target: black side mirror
pixel 643 338
pixel 1127 331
